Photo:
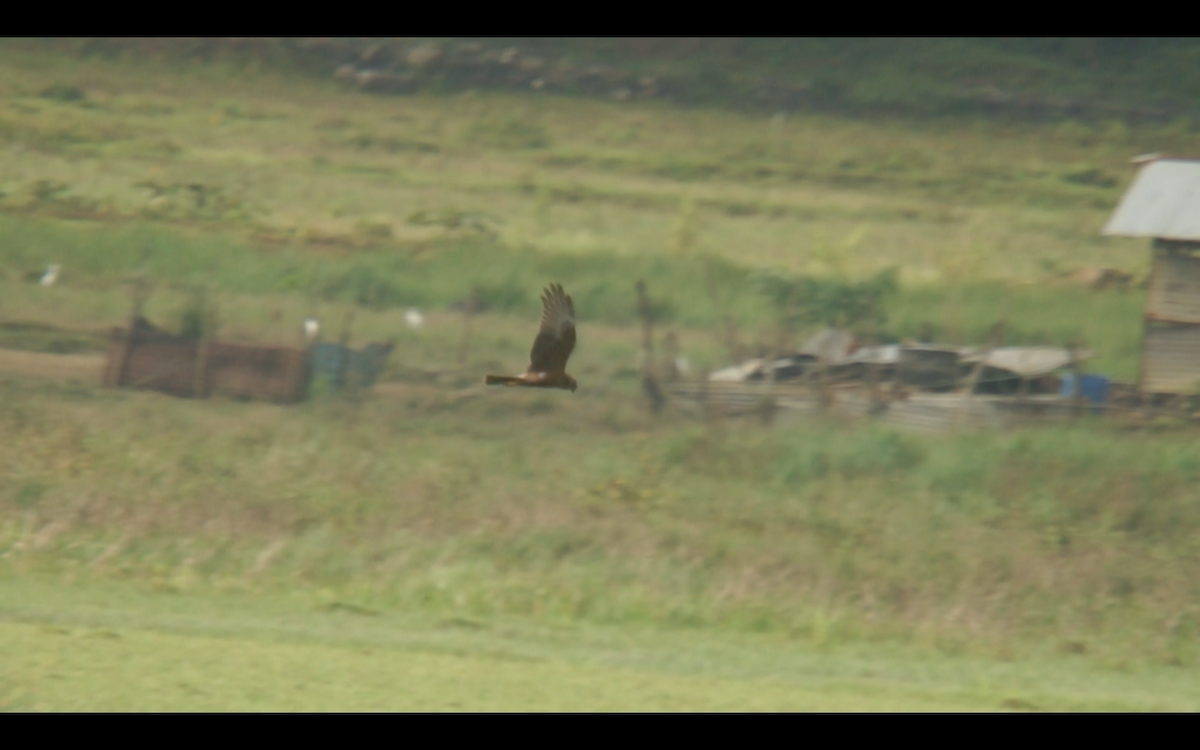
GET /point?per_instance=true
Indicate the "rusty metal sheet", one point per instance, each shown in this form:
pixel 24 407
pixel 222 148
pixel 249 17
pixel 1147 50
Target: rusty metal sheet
pixel 269 373
pixel 1174 293
pixel 160 361
pixel 1164 201
pixel 1171 359
pixel 157 365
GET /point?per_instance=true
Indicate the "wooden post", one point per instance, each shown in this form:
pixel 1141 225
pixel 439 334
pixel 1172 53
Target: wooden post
pixel 874 402
pixel 117 375
pixel 650 385
pixel 973 380
pixel 117 378
pixel 712 406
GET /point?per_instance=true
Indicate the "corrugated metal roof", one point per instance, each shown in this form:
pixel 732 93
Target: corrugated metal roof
pixel 1174 293
pixel 1164 201
pixel 1026 361
pixel 1171 359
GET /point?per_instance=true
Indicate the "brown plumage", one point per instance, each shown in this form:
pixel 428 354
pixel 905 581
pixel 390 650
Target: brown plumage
pixel 551 348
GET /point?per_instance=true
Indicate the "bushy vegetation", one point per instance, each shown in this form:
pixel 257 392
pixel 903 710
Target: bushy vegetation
pixel 835 302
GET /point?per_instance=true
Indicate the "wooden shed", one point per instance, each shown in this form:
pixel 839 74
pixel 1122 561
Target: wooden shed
pixel 1163 203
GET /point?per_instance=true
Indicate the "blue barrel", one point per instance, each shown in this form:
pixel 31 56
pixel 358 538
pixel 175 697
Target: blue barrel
pixel 1094 387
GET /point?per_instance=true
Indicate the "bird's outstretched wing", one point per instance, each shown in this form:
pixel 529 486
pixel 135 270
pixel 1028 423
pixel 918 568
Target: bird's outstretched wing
pixel 556 338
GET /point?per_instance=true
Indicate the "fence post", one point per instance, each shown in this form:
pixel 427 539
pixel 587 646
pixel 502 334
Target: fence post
pixel 650 385
pixel 140 293
pixel 126 351
pixel 973 381
pixel 874 401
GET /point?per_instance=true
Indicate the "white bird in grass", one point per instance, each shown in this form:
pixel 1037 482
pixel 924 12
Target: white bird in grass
pixel 51 275
pixel 414 318
pixel 311 329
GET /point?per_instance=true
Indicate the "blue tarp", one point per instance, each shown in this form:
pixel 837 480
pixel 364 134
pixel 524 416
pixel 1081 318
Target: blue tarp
pixel 335 364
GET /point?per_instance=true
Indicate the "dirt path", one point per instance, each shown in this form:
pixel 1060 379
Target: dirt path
pixel 82 368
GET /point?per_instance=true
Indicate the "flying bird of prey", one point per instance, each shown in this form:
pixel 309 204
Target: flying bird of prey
pixel 551 348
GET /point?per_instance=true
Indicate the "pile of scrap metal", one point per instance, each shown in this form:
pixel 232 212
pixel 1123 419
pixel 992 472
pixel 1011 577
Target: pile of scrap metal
pixel 921 386
pixel 835 357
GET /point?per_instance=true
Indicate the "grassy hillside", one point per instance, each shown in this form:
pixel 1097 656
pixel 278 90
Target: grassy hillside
pixel 265 184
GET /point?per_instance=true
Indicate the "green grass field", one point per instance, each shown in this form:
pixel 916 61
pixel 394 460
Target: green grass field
pixel 435 545
pixel 100 647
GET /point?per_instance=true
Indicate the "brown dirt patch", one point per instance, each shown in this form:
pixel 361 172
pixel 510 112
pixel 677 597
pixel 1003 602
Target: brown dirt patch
pixel 82 368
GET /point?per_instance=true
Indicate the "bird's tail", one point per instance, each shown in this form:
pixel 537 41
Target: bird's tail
pixel 502 380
